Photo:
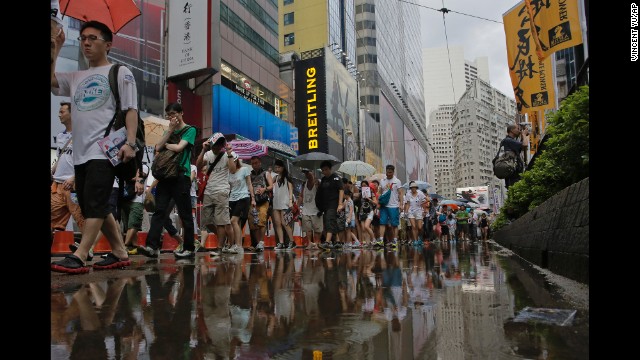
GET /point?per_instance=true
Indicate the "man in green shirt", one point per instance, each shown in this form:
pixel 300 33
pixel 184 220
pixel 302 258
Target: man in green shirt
pixel 462 226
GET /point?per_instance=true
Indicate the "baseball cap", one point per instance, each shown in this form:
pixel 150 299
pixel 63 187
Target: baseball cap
pixel 305 170
pixel 412 184
pixel 215 138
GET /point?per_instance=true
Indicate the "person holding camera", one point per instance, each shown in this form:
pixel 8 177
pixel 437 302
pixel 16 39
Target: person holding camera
pixel 517 141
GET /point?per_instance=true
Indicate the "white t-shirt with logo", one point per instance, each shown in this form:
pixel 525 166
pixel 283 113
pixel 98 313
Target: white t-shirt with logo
pixel 64 169
pixel 395 184
pixel 415 202
pixel 93 106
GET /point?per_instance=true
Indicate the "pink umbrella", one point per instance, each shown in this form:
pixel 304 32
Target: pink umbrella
pixel 247 148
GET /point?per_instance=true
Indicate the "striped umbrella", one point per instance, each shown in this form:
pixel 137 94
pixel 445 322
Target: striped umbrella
pixel 246 149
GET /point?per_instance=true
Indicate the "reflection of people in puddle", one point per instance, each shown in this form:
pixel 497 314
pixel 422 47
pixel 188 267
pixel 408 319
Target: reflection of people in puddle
pixel 395 302
pixel 91 314
pixel 171 324
pixel 216 294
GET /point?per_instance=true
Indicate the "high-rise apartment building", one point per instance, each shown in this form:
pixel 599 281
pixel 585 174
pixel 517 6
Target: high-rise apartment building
pixel 479 123
pixel 441 151
pixel 447 75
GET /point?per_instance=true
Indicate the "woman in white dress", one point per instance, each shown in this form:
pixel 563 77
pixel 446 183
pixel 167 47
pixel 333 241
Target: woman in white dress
pixel 282 201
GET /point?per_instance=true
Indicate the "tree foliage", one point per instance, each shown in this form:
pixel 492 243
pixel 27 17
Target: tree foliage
pixel 563 161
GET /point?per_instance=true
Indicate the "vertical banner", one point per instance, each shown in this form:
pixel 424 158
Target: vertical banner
pixel 536 118
pixel 555 25
pixel 311 106
pixel 532 88
pixel 188 31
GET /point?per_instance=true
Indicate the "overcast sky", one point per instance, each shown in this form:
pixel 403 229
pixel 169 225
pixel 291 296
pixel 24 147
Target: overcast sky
pixel 478 37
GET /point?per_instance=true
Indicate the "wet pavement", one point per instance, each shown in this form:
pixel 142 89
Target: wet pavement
pixel 445 301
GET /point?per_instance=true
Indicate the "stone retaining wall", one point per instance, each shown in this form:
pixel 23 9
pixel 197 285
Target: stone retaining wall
pixel 554 235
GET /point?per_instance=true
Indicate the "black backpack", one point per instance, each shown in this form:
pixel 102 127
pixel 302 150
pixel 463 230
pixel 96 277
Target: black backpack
pixel 125 171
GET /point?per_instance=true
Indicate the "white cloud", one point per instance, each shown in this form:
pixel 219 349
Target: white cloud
pixel 478 37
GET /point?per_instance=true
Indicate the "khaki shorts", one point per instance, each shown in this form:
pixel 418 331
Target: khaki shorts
pixel 312 223
pixel 215 210
pixel 263 209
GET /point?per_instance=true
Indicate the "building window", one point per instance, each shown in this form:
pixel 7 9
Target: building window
pixel 289 39
pixel 75 24
pixel 288 18
pixel 287 2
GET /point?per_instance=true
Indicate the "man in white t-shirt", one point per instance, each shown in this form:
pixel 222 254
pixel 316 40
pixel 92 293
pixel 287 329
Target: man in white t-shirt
pixel 390 213
pixel 92 108
pixel 215 204
pixel 64 204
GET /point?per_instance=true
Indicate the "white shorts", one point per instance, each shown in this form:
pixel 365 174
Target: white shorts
pixel 415 214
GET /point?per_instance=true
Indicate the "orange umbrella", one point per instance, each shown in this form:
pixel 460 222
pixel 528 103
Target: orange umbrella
pixel 113 13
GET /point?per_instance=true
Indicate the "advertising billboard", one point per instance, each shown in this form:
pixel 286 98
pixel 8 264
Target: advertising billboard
pixel 412 156
pixel 423 169
pixel 477 195
pixel 342 111
pixel 392 130
pixel 311 106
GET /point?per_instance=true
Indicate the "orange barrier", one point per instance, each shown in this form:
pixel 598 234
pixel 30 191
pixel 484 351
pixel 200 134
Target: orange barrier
pixel 61 242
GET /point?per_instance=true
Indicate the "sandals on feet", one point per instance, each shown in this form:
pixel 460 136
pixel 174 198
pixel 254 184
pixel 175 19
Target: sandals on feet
pixel 111 262
pixel 71 264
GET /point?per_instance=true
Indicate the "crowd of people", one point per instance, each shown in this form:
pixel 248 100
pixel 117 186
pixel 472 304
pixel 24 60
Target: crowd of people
pixel 335 213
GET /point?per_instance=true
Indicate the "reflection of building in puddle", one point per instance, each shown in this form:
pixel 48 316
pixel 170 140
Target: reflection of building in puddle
pixel 471 315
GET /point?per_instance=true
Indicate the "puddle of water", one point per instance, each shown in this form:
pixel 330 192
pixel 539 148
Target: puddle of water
pixel 446 301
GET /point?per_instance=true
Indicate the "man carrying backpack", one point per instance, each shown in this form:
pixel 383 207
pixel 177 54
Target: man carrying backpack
pixel 517 141
pixel 92 108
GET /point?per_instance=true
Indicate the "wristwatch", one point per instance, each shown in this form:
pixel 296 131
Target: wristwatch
pixel 133 145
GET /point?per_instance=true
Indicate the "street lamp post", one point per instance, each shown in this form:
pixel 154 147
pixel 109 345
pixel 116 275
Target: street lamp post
pixel 344 143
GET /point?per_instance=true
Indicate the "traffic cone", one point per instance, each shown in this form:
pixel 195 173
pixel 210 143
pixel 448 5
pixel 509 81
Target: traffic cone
pixel 61 242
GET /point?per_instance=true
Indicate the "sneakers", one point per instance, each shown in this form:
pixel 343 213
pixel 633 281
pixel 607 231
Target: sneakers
pixel 73 247
pixel 279 246
pixel 378 243
pixel 356 244
pixel 225 249
pixel 326 246
pixel 235 249
pixel 394 244
pixel 133 251
pixel 147 251
pixel 260 246
pixel 251 249
pixel 111 262
pixel 71 264
pixel 185 254
pixel 197 245
pixel 180 248
pixel 312 246
pixel 214 253
pixel 291 245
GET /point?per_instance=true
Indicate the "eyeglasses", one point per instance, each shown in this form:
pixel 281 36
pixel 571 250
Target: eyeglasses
pixel 91 38
pixel 170 114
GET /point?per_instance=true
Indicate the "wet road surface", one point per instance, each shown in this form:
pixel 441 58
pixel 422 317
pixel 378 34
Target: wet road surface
pixel 445 301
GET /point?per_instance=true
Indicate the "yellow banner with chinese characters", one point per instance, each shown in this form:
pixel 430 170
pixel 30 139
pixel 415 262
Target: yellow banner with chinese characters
pixel 536 119
pixel 532 79
pixel 555 25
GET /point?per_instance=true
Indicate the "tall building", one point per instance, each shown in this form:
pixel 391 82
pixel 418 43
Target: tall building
pixel 391 90
pixel 441 151
pixel 447 75
pixel 479 123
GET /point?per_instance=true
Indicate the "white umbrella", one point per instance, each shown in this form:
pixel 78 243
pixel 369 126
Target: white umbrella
pixel 357 168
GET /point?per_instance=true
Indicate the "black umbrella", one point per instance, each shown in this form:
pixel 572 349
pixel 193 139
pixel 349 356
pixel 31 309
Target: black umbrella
pixel 313 160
